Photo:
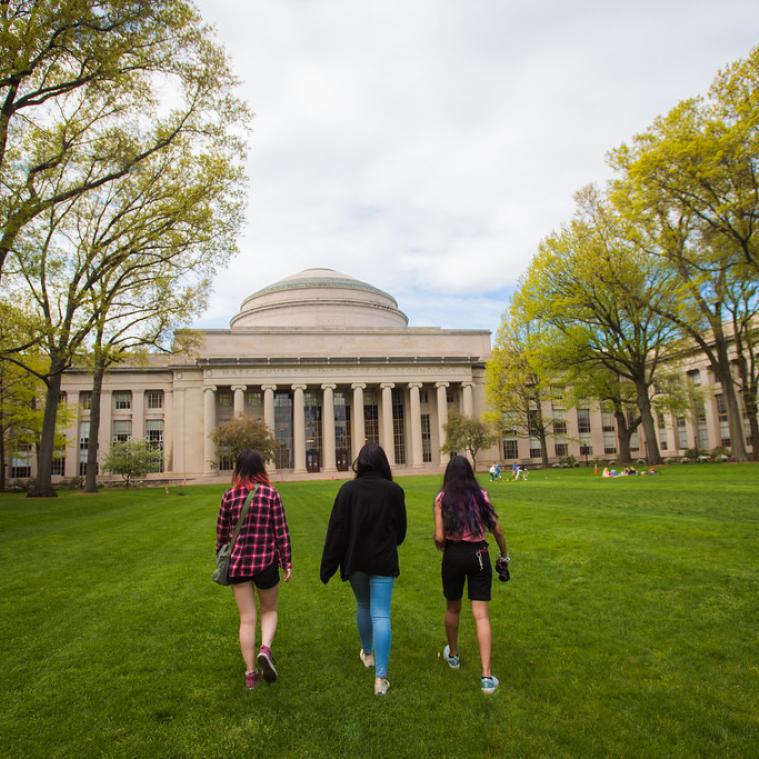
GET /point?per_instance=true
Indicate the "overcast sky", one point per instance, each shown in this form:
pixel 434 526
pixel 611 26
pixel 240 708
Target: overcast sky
pixel 427 146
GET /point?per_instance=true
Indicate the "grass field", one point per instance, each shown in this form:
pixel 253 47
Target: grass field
pixel 629 629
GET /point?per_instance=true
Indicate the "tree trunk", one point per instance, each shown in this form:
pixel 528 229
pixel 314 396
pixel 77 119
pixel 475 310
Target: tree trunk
pixel 3 481
pixel 623 437
pixel 647 421
pixel 721 368
pixel 43 485
pixel 748 383
pixel 91 483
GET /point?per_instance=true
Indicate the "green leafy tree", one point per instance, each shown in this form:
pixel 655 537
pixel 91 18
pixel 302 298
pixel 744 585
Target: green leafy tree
pixel 603 295
pixel 465 433
pixel 689 185
pixel 132 460
pixel 82 176
pixel 245 432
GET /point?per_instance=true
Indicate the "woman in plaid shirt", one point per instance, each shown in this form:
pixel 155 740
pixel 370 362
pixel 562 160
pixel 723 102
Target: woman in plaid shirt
pixel 262 546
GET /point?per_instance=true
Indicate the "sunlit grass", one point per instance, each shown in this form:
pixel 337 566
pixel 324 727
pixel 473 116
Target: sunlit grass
pixel 629 628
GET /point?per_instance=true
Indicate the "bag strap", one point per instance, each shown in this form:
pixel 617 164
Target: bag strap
pixel 243 513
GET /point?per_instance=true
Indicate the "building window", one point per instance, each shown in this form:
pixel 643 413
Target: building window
pixel 21 463
pixel 122 400
pixel 59 464
pixel 682 432
pixel 662 431
pixel 423 397
pixel 701 428
pixel 559 427
pixel 607 422
pixel 610 450
pixel 586 449
pixel 224 397
pixel 342 431
pixel 283 429
pixel 154 399
pixel 254 400
pixel 535 449
pixel 371 417
pixel 450 396
pixel 510 449
pixel 226 464
pixel 724 426
pixel 561 449
pixel 634 442
pixel 122 430
pixel 583 420
pixel 426 439
pixel 85 400
pixel 154 437
pixel 694 377
pixel 399 427
pixel 84 442
pixel 312 411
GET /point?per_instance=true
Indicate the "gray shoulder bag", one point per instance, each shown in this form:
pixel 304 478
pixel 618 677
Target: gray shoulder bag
pixel 221 573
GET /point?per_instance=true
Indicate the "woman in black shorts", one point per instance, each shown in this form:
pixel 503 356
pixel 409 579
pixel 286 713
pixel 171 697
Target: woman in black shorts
pixel 463 513
pixel 261 548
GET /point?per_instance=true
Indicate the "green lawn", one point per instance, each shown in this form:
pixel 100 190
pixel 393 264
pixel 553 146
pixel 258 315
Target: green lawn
pixel 629 629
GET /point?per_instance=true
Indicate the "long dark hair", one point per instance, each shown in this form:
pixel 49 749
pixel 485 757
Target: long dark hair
pixel 371 458
pixel 249 469
pixel 464 504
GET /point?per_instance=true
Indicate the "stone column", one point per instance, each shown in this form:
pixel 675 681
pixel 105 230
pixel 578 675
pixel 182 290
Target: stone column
pixel 328 428
pixel 168 430
pixel 299 428
pixel 238 408
pixel 71 452
pixel 442 417
pixel 138 414
pixel 269 413
pixel 357 415
pixel 106 425
pixel 209 425
pixel 467 402
pixel 416 424
pixel 387 421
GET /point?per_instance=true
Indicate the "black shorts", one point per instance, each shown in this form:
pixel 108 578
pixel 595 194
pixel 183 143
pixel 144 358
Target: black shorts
pixel 265 579
pixel 470 562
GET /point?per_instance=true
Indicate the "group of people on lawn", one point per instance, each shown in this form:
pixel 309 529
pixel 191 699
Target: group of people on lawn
pixel 366 526
pixel 518 471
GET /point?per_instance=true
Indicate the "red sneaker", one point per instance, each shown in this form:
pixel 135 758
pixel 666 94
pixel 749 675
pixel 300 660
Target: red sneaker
pixel 265 661
pixel 251 680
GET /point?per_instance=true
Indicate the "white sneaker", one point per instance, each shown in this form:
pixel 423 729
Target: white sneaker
pixel 489 684
pixel 454 662
pixel 381 687
pixel 366 659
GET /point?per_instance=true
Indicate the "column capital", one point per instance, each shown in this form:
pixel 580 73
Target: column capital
pixel 298 386
pixel 238 387
pixel 442 384
pixel 387 385
pixel 467 383
pixel 415 384
pixel 268 387
pixel 328 386
pixel 212 388
pixel 358 386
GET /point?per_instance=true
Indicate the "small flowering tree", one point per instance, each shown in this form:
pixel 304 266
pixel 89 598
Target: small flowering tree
pixel 132 460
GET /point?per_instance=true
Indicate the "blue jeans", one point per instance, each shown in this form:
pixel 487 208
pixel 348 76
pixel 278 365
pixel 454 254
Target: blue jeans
pixel 373 594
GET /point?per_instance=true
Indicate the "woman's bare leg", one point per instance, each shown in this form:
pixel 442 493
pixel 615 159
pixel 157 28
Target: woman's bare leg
pixel 452 616
pixel 484 635
pixel 268 599
pixel 246 605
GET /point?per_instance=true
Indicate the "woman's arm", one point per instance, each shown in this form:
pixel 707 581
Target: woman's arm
pixel 401 518
pixel 223 532
pixel 334 542
pixel 439 532
pixel 281 535
pixel 500 538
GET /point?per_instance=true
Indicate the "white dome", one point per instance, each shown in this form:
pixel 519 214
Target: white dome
pixel 319 298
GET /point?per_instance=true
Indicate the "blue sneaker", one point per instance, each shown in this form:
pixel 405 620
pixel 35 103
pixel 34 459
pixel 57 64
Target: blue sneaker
pixel 489 684
pixel 453 661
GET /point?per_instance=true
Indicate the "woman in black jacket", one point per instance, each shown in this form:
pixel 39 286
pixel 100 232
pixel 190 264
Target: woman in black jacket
pixel 367 525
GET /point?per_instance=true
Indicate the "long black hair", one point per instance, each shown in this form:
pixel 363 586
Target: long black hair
pixel 463 504
pixel 249 468
pixel 371 458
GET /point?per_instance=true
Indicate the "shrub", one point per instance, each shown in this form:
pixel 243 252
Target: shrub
pixel 134 458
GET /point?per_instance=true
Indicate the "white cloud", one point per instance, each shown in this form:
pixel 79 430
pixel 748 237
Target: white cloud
pixel 428 147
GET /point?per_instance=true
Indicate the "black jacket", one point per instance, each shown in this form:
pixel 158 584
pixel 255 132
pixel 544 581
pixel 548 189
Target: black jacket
pixel 367 525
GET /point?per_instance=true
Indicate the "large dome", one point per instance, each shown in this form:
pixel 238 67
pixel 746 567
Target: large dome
pixel 319 298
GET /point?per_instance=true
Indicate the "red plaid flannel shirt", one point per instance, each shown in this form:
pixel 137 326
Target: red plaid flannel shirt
pixel 264 537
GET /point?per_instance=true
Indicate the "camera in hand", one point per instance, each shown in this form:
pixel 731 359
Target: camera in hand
pixel 502 567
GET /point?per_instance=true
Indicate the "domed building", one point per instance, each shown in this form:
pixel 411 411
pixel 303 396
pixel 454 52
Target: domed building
pixel 329 362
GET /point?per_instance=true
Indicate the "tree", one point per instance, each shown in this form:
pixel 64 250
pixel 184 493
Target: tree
pixel 603 294
pixel 135 192
pixel 520 380
pixel 245 432
pixel 465 433
pixel 689 185
pixel 132 460
pixel 89 90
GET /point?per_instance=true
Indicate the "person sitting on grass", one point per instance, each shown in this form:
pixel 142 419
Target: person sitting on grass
pixel 262 546
pixel 463 513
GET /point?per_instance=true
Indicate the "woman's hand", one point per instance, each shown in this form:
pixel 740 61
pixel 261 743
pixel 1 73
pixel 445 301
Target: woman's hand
pixel 288 574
